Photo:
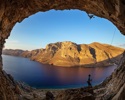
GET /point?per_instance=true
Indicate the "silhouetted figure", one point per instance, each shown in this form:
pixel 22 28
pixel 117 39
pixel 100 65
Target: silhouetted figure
pixel 91 16
pixel 89 81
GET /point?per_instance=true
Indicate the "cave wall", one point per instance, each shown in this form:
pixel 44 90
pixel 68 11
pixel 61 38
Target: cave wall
pixel 13 11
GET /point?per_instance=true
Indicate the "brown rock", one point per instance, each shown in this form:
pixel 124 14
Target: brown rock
pixel 76 94
pixel 113 10
pixel 49 96
pixel 70 54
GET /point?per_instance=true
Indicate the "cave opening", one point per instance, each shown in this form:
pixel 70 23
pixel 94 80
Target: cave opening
pixel 113 87
pixel 55 27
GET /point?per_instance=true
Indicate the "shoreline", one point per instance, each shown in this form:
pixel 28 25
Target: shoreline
pixel 97 65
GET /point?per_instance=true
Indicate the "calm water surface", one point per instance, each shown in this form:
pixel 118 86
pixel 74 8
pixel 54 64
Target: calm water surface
pixel 46 76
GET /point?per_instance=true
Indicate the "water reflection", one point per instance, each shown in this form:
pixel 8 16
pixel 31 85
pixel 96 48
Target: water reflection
pixel 47 76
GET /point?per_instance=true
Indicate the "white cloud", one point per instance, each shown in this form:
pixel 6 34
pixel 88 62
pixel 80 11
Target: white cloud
pixel 121 45
pixel 12 44
pixel 12 41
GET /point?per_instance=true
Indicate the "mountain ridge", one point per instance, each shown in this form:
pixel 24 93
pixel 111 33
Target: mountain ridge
pixel 68 54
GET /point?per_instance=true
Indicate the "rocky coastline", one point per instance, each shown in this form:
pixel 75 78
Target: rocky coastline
pixel 69 54
pixel 25 92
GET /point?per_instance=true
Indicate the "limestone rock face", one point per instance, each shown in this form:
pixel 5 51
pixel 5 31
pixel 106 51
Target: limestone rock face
pixel 76 94
pixel 16 52
pixel 114 86
pixel 28 54
pixel 7 90
pixel 68 54
pixel 71 54
pixel 21 53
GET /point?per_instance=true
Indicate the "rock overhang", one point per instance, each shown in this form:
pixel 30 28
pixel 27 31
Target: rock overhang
pixel 13 11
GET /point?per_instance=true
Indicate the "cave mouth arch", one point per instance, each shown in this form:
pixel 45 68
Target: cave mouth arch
pixel 111 10
pixel 76 30
pixel 88 26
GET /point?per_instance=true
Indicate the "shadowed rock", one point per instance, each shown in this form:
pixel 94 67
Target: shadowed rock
pixel 76 94
pixel 70 54
pixel 113 10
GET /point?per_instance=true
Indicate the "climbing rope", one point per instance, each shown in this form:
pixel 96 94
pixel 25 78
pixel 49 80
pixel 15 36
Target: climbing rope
pixel 113 36
pixel 112 43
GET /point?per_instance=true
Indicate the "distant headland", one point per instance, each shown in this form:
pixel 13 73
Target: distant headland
pixel 69 54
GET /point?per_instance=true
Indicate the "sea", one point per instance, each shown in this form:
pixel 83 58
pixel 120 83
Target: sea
pixel 44 76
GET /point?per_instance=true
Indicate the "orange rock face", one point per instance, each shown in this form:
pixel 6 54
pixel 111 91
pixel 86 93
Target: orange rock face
pixel 69 54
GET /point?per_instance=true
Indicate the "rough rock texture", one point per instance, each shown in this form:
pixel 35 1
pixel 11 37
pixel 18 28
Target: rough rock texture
pixel 12 11
pixel 11 52
pixel 21 53
pixel 76 94
pixel 7 88
pixel 112 88
pixel 70 54
pixel 115 87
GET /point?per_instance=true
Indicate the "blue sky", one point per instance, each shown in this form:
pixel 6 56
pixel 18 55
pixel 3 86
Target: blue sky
pixel 53 26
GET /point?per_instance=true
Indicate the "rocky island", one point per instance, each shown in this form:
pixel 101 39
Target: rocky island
pixel 68 54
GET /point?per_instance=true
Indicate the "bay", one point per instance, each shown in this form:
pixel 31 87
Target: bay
pixel 43 76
